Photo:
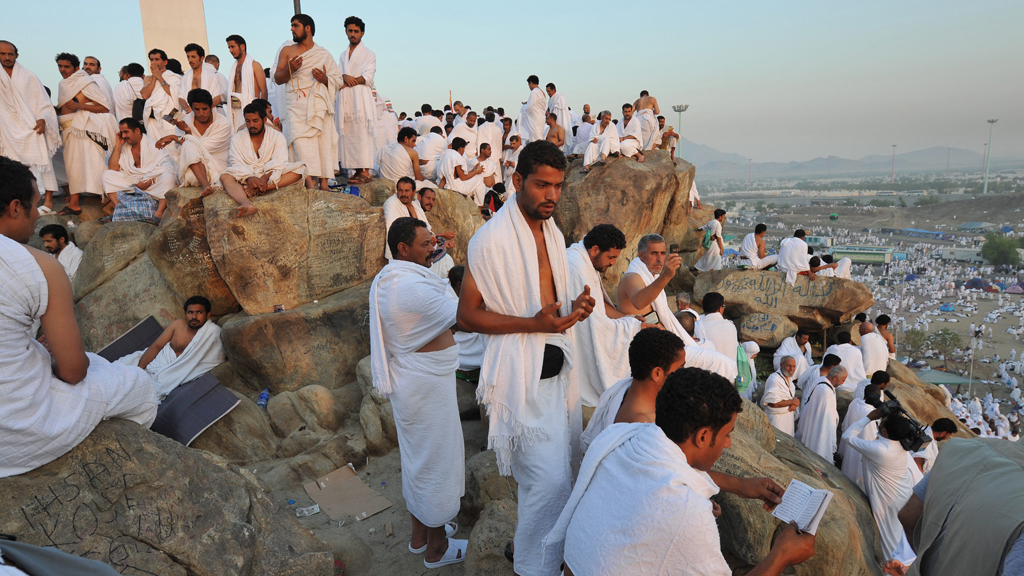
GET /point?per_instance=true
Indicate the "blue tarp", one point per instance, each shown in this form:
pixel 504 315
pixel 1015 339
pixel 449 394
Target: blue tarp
pixel 911 277
pixel 947 308
pixel 1006 229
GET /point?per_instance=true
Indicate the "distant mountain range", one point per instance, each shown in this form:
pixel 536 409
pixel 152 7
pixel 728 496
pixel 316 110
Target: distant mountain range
pixel 720 165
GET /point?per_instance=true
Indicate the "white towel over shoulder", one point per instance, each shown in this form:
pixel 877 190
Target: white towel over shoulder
pixel 169 370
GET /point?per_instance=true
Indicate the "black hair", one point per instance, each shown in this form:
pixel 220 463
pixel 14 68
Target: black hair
pixel 712 302
pixel 883 320
pixel 12 45
pixel 540 153
pixel 873 395
pixel 458 143
pixel 653 348
pixel 814 262
pixel 55 230
pixel 644 93
pixel 692 399
pixel 862 317
pixel 802 332
pixel 552 86
pixel 437 130
pixel 261 102
pixel 843 338
pixel 406 180
pixel 553 116
pixel 304 21
pixel 67 57
pixel 193 47
pixel 163 55
pixel 236 39
pixel 132 124
pixel 406 133
pixel 357 21
pixel 810 250
pixel 174 66
pixel 880 377
pixel 427 109
pixel 484 145
pixel 760 228
pixel 456 274
pixel 831 360
pixel 254 108
pixel 605 237
pixel 489 116
pixel 198 300
pixel 897 427
pixel 799 233
pixel 403 231
pixel 719 213
pixel 200 96
pixel 944 425
pixel 532 79
pixel 627 105
pixel 135 70
pixel 827 258
pixel 98 65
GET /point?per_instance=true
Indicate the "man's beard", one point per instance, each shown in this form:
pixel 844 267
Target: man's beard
pixel 262 128
pixel 194 323
pixel 534 212
pixel 298 39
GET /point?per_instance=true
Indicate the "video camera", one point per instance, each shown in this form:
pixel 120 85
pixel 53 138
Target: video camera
pixel 893 409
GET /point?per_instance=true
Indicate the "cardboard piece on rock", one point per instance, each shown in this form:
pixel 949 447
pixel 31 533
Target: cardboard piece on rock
pixel 342 494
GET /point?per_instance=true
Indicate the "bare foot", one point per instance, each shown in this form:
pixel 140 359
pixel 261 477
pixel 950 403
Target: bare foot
pixel 209 190
pixel 247 210
pixel 639 157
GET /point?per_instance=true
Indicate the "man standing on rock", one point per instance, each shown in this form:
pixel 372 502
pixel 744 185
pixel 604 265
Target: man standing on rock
pixel 413 358
pixel 515 290
pixel 852 360
pixel 819 418
pixel 647 111
pixel 712 258
pixel 357 110
pixel 873 349
pixel 779 401
pixel 721 332
pixel 799 347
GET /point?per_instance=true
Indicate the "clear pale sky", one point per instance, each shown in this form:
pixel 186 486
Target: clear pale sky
pixel 774 81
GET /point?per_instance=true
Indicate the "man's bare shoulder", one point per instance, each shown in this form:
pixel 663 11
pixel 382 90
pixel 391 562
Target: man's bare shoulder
pixel 256 66
pixel 628 415
pixel 177 325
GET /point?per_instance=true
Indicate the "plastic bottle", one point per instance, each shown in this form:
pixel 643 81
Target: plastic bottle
pixel 264 398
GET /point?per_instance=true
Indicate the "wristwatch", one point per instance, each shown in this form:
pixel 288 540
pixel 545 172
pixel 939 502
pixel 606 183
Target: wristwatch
pixel 163 83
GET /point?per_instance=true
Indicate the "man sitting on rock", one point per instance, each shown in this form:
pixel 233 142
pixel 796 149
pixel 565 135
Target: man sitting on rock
pixel 403 204
pixel 204 138
pixel 852 360
pixel 55 240
pixel 753 253
pixel 799 347
pixel 54 393
pixel 642 497
pixel 188 348
pixel 136 162
pixel 873 349
pixel 701 352
pixel 453 173
pixel 721 332
pixel 793 258
pixel 258 162
pixel 413 359
pixel 400 159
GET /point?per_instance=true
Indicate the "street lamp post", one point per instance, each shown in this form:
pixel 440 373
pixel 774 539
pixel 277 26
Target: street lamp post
pixel 988 154
pixel 892 179
pixel 680 108
pixel 298 7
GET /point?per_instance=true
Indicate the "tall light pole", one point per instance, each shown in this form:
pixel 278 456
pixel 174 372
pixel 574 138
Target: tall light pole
pixel 984 155
pixel 750 168
pixel 892 179
pixel 948 152
pixel 298 7
pixel 680 108
pixel 988 154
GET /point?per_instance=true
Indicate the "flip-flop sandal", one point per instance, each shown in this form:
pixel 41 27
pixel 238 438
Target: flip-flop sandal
pixel 106 219
pixel 509 555
pixel 455 554
pixel 43 211
pixel 152 220
pixel 450 529
pixel 66 211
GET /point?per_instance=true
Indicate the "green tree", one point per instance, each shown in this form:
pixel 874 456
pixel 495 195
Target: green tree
pixel 999 249
pixel 914 339
pixel 945 341
pixel 903 203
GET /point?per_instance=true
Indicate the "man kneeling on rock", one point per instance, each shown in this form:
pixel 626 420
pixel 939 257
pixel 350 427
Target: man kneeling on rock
pixel 642 500
pixel 413 359
pixel 258 162
pixel 188 348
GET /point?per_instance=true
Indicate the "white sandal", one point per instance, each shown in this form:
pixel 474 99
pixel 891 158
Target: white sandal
pixel 450 528
pixel 455 554
pixel 43 211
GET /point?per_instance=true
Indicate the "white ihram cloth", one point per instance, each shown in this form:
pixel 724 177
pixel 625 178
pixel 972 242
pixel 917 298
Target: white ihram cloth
pixel 471 349
pixel 874 352
pixel 160 104
pixel 513 157
pixel 633 145
pixel 125 94
pixel 409 307
pixel 603 351
pixel 749 257
pixel 210 81
pixel 394 209
pixel 209 149
pixel 606 411
pixel 430 148
pixel 751 349
pixel 660 304
pixel 888 486
pixel 170 370
pixel 276 92
pixel 534 424
pixel 721 333
pixel 649 128
pixel 638 508
pixel 490 132
pixel 843 268
pixel 425 123
pixel 807 381
pixel 88 137
pixel 712 258
pixel 42 417
pixel 243 161
pixel 23 102
pixel 789 347
pixel 469 134
pixel 531 116
pixel 694 197
pixel 247 93
pixel 582 139
pixel 851 359
pixel 103 83
pixel 357 110
pixel 309 114
pixel 778 388
pixel 154 163
pixel 395 163
pixel 558 106
pixel 852 463
pixel 70 258
pixel 473 188
pixel 792 258
pixel 819 419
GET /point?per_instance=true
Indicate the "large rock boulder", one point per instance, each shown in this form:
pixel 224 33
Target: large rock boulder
pixel 495 528
pixel 114 247
pixel 36 242
pixel 180 251
pixel 768 330
pixel 301 246
pixel 242 436
pixel 923 400
pixel 125 300
pixel 316 343
pixel 484 485
pixel 810 304
pixel 376 191
pixel 85 232
pixel 145 504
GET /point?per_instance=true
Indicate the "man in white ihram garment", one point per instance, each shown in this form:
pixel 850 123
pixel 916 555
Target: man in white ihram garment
pixel 799 347
pixel 400 160
pixel 533 114
pixel 311 80
pixel 630 135
pixel 136 162
pixel 793 258
pixel 403 204
pixel 604 141
pixel 429 148
pixel 54 392
pixel 852 360
pixel 203 137
pixel 873 349
pixel 886 480
pixel 413 362
pixel 467 131
pixel 604 338
pixel 779 401
pixel 357 110
pixel 712 258
pixel 819 417
pixel 29 132
pixel 160 89
pixel 200 75
pixel 127 91
pixel 646 108
pixel 490 132
pixel 558 106
pixel 641 503
pixel 454 174
pixel 515 291
pixel 56 242
pixel 582 138
pixel 92 67
pixel 859 407
pixel 721 332
pixel 753 252
pixel 246 79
